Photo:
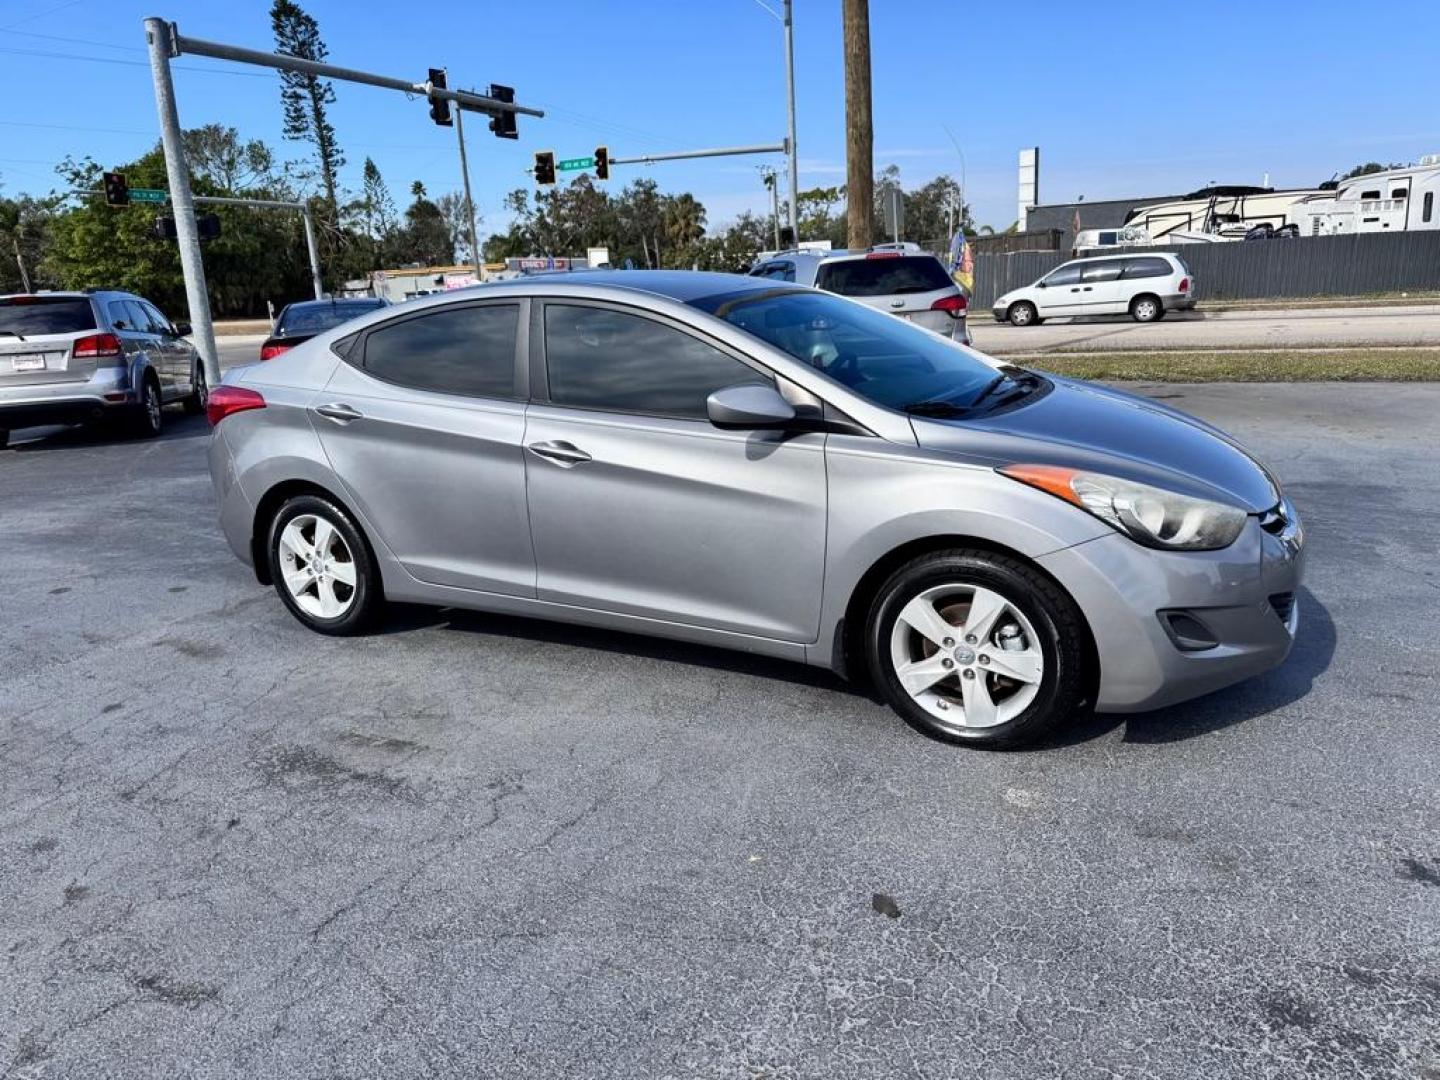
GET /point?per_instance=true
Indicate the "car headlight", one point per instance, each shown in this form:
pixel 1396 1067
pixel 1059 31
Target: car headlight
pixel 1148 515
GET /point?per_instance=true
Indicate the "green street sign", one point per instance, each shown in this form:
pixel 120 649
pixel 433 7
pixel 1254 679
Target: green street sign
pixel 568 165
pixel 140 194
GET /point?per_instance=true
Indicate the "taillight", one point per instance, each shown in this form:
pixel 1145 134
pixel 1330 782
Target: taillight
pixel 94 346
pixel 953 305
pixel 270 351
pixel 225 400
pixel 883 255
pixel 1184 284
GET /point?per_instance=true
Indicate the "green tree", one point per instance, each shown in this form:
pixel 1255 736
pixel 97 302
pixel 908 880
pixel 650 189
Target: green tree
pixel 1371 167
pixel 306 97
pixel 24 237
pixel 424 238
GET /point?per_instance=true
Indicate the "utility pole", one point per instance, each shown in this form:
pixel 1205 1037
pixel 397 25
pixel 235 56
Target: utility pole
pixel 859 130
pixel 162 48
pixel 20 261
pixel 469 204
pixel 790 141
pixel 773 183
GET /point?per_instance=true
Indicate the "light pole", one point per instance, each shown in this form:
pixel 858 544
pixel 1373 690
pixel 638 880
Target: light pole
pixel 790 105
pixel 469 203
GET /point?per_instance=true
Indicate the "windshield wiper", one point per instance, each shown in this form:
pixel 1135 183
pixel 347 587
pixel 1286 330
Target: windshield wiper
pixel 13 334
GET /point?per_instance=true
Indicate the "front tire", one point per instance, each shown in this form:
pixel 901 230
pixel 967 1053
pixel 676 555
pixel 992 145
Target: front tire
pixel 977 649
pixel 1023 313
pixel 322 567
pixel 1144 309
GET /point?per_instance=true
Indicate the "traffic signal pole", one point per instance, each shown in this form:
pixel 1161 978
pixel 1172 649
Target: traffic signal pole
pixel 165 42
pixel 469 203
pixel 790 149
pixel 681 155
pixel 162 48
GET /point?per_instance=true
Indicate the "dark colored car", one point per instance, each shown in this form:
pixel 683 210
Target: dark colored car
pixel 302 321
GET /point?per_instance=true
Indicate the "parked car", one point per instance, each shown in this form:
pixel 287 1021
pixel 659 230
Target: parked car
pixel 900 279
pixel 303 320
pixel 70 357
pixel 759 466
pixel 1146 286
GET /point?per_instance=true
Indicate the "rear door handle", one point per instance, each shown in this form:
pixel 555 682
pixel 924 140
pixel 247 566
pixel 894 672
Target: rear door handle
pixel 1086 289
pixel 339 412
pixel 564 454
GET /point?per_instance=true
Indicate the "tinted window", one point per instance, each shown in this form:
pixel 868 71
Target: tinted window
pixel 1427 206
pixel 600 359
pixel 26 315
pixel 1069 274
pixel 317 318
pixel 1370 194
pixel 779 271
pixel 462 350
pixel 158 323
pixel 880 357
pixel 1149 266
pixel 1106 238
pixel 1104 270
pixel 884 275
pixel 122 315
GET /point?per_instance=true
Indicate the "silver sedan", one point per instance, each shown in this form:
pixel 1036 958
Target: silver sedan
pixel 765 467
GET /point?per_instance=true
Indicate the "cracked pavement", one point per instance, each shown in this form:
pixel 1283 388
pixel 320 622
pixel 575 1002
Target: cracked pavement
pixel 479 846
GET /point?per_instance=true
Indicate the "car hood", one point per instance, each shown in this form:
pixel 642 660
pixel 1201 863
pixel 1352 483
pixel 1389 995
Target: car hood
pixel 1084 426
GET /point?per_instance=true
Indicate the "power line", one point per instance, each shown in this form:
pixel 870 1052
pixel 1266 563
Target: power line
pixel 41 14
pixel 132 63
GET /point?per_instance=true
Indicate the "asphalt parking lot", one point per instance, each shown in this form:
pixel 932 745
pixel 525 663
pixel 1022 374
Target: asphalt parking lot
pixel 479 846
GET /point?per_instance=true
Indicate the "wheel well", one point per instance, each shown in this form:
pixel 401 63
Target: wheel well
pixel 269 506
pixel 1145 296
pixel 849 634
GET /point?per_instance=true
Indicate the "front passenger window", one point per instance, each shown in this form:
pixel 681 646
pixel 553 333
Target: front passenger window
pixel 603 359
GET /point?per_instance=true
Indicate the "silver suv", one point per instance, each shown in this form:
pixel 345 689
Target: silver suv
pixel 897 278
pixel 72 357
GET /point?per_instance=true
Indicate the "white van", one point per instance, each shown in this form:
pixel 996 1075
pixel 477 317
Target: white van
pixel 1145 286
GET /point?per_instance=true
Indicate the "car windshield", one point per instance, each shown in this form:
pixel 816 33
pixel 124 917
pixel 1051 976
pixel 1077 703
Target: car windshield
pixel 317 318
pixel 21 316
pixel 880 357
pixel 884 275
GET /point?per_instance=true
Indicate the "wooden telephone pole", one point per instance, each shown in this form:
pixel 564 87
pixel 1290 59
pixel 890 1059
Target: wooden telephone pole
pixel 859 130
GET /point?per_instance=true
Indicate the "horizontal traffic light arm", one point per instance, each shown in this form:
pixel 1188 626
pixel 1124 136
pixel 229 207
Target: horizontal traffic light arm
pixel 721 151
pixel 462 98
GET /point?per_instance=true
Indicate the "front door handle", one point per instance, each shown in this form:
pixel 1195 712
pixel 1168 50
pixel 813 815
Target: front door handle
pixel 1075 289
pixel 339 412
pixel 564 454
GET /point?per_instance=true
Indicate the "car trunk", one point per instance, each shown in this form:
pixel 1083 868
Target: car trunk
pixel 901 285
pixel 37 336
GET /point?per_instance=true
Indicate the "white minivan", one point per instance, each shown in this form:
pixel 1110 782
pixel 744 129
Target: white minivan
pixel 1144 286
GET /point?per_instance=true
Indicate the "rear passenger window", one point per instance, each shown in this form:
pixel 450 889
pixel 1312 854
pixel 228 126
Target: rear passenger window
pixel 462 350
pixel 884 275
pixel 1106 270
pixel 120 315
pixel 1149 266
pixel 602 359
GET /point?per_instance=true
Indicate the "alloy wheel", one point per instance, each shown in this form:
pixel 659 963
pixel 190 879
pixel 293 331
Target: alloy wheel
pixel 967 656
pixel 317 567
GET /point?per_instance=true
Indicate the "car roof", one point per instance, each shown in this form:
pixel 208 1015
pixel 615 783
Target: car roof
pixel 681 285
pixel 337 301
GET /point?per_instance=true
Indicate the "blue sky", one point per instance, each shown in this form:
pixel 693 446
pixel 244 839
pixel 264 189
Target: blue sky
pixel 1123 98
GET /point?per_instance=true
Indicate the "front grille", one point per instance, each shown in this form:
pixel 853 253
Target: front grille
pixel 1283 604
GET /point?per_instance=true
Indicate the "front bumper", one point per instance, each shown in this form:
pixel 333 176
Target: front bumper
pixel 1246 595
pixel 64 402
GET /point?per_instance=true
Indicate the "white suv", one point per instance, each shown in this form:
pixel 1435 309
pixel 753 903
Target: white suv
pixel 1144 286
pixel 900 279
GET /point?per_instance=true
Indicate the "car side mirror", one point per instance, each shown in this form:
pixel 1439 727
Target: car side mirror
pixel 182 329
pixel 1041 285
pixel 749 407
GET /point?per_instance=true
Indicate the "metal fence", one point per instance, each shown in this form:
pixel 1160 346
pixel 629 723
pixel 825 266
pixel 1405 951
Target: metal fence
pixel 1352 265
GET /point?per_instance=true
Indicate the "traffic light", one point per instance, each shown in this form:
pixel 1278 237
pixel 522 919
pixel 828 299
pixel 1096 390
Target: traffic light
pixel 165 228
pixel 504 125
pixel 439 107
pixel 208 226
pixel 117 191
pixel 545 167
pixel 787 238
pixel 602 163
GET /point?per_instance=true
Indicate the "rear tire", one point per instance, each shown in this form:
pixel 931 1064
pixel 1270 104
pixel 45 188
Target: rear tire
pixel 977 649
pixel 1023 313
pixel 1146 308
pixel 200 395
pixel 147 421
pixel 322 567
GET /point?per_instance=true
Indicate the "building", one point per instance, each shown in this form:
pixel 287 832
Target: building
pixel 1102 214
